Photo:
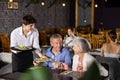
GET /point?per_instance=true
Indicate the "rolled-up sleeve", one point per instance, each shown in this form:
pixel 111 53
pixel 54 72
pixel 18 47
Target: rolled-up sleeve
pixel 13 40
pixel 36 42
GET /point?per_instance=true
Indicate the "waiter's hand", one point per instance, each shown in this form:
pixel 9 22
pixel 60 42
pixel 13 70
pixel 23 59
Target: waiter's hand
pixel 35 63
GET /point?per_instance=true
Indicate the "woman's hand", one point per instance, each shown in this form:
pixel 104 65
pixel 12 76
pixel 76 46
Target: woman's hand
pixel 64 66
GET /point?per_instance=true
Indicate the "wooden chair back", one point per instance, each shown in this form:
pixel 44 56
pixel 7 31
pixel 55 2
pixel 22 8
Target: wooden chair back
pixel 43 39
pixel 87 36
pixel 118 36
pixel 5 42
pixel 97 41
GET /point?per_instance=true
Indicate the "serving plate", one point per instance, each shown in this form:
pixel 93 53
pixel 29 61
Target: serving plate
pixel 17 48
pixel 98 49
pixel 23 47
pixel 45 59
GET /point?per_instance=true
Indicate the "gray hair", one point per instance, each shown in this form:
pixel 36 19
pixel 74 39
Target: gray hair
pixel 83 44
pixel 55 36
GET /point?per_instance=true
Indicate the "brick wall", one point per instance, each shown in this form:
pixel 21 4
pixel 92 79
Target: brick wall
pixel 56 16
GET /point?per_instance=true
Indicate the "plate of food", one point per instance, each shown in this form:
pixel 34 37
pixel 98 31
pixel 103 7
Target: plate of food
pixel 98 49
pixel 42 59
pixel 23 47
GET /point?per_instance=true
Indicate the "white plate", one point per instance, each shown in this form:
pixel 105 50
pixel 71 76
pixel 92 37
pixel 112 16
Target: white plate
pixel 66 72
pixel 98 49
pixel 41 59
pixel 23 48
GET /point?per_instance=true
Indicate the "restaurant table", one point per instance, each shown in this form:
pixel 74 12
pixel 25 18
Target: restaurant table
pixel 57 75
pixel 21 59
pixel 113 66
pixel 94 53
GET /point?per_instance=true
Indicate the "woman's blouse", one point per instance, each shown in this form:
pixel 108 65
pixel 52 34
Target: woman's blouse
pixel 87 61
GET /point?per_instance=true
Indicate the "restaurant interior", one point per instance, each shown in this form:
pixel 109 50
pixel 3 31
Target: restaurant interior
pixel 91 19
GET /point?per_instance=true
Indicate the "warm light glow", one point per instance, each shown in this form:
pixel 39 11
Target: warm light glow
pixel 43 3
pixel 12 5
pixel 10 0
pixel 96 5
pixel 63 4
pixel 105 0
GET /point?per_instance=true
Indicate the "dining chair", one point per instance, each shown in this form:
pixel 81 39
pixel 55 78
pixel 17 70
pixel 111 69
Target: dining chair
pixel 0 44
pixel 43 38
pixel 5 42
pixel 63 32
pixel 87 36
pixel 106 35
pixel 97 40
pixel 118 36
pixel 117 29
pixel 113 66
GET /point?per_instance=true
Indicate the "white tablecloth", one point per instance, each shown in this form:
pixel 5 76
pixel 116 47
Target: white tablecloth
pixel 6 57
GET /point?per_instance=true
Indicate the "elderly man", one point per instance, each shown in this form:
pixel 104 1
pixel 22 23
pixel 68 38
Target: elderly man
pixel 59 55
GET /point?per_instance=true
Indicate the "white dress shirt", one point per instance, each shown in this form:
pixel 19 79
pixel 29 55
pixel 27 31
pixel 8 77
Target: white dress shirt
pixel 17 38
pixel 69 41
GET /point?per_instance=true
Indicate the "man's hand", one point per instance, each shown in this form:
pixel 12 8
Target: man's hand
pixel 60 65
pixel 55 64
pixel 64 66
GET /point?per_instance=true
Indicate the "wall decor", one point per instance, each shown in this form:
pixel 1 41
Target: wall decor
pixel 12 5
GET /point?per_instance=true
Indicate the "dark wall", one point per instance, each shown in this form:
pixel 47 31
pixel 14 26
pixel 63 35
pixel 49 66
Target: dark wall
pixel 55 16
pixel 111 18
pixel 72 13
pixel 107 15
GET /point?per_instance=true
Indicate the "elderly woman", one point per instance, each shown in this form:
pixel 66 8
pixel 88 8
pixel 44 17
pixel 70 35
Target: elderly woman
pixel 111 49
pixel 82 60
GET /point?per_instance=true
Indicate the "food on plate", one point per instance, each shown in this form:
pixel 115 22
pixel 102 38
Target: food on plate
pixel 42 59
pixel 22 47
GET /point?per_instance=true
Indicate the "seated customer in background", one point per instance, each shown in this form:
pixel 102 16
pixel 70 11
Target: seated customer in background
pixel 82 59
pixel 69 38
pixel 111 49
pixel 60 56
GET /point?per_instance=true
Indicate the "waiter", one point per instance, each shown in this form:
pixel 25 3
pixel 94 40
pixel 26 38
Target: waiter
pixel 23 37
